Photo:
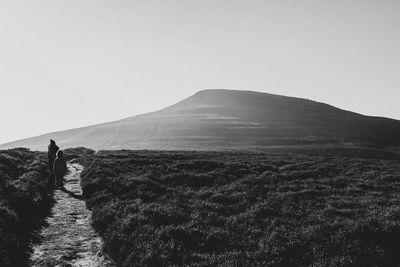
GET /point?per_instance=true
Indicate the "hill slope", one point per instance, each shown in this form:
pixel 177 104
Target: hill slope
pixel 220 119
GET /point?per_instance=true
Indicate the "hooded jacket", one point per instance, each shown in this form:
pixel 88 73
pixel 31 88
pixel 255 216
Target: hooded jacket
pixel 60 166
pixel 52 150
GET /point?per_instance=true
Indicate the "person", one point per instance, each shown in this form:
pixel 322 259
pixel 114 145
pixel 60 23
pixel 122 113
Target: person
pixel 60 169
pixel 51 154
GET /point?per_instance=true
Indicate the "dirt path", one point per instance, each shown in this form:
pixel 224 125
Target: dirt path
pixel 69 239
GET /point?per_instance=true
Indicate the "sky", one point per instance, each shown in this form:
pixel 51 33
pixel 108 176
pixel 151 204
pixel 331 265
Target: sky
pixel 72 63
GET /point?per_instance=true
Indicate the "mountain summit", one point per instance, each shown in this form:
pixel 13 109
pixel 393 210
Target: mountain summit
pixel 230 119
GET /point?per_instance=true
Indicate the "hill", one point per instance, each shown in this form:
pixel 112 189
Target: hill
pixel 228 119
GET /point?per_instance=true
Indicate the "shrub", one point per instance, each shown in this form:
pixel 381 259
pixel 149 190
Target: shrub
pixel 25 200
pixel 244 209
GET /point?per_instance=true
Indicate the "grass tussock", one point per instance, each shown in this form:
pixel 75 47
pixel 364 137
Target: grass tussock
pixel 244 209
pixel 25 199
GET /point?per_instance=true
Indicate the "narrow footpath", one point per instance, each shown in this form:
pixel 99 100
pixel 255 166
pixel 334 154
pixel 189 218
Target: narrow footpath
pixel 68 238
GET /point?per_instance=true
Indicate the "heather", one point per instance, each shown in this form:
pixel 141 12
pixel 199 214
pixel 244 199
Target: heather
pixel 160 208
pixel 25 200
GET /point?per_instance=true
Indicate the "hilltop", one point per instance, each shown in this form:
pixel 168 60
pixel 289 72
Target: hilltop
pixel 228 119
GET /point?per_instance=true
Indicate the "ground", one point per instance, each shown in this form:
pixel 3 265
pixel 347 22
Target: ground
pixel 68 238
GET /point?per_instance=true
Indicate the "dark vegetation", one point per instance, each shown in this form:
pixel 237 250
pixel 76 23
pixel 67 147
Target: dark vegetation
pixel 78 154
pixel 244 209
pixel 348 151
pixel 25 200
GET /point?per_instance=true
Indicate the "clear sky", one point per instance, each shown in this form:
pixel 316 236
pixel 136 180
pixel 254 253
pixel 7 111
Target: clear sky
pixel 72 63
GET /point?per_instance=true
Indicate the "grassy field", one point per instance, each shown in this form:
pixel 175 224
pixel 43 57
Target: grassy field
pixel 25 200
pixel 239 209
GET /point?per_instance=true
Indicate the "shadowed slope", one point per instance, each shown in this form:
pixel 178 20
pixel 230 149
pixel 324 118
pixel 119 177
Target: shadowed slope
pixel 218 119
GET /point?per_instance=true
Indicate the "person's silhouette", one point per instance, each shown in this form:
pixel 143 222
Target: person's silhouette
pixel 51 154
pixel 60 169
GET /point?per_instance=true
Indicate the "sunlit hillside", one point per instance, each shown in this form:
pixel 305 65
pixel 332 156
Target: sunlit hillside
pixel 227 119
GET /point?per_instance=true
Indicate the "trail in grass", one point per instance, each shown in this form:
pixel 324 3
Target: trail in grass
pixel 69 239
